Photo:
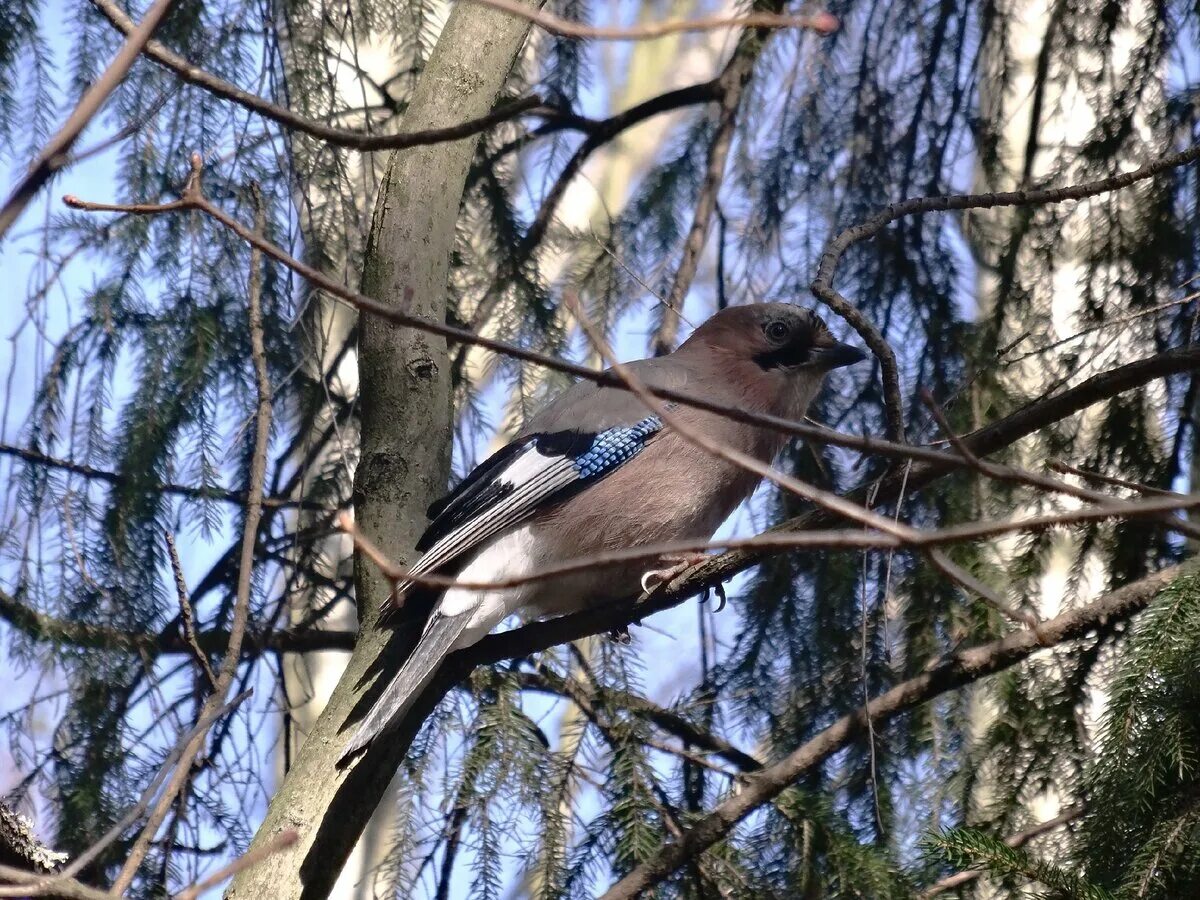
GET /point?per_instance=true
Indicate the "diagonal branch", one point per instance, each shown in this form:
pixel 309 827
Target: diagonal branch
pixel 339 137
pixel 952 671
pixel 1169 363
pixel 241 607
pixel 821 22
pixel 733 83
pixel 89 104
pixel 822 286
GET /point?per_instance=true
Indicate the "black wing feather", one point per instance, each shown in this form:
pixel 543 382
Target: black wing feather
pixel 482 487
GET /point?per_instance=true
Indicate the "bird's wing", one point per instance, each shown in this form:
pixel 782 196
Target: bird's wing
pixel 587 432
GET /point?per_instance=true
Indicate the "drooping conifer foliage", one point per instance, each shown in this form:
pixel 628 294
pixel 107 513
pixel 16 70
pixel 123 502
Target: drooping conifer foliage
pixel 708 168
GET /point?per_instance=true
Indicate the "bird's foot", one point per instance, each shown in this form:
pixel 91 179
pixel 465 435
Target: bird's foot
pixel 656 578
pixel 620 636
pixel 719 589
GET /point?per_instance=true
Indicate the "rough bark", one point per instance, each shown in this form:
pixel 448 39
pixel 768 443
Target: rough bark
pixel 405 402
pixel 20 847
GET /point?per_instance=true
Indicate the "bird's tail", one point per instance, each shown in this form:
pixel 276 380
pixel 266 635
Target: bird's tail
pixel 416 673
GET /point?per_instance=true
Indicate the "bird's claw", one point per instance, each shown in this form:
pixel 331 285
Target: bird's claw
pixel 719 590
pixel 620 636
pixel 656 578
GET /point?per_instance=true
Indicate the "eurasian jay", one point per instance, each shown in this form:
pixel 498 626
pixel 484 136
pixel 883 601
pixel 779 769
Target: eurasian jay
pixel 597 470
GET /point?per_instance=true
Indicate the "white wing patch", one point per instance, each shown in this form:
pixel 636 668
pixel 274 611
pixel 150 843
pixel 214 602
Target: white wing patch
pixel 532 477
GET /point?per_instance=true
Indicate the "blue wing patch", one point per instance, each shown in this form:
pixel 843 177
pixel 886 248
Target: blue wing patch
pixel 615 446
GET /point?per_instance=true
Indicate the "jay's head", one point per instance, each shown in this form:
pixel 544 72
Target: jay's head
pixel 777 337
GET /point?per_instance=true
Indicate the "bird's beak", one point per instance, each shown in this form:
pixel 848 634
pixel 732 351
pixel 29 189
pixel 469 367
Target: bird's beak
pixel 836 355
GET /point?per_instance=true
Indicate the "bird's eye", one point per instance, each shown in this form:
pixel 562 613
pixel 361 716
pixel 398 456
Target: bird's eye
pixel 776 331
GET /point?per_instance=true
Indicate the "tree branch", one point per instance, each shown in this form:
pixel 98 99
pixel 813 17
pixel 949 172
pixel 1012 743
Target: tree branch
pixel 20 847
pixel 952 671
pixel 733 83
pixel 821 22
pixel 241 607
pixel 822 286
pixel 1018 839
pixel 339 137
pixel 32 457
pixel 89 104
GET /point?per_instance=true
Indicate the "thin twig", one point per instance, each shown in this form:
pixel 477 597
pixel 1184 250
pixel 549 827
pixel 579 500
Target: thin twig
pixel 822 286
pixel 89 104
pixel 1102 326
pixel 952 671
pixel 821 22
pixel 733 82
pixel 186 614
pixel 339 137
pixel 1054 485
pixel 135 812
pixel 250 858
pixel 241 607
pixel 1058 465
pixel 601 133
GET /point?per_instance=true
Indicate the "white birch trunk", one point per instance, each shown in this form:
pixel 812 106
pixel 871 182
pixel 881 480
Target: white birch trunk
pixel 1040 105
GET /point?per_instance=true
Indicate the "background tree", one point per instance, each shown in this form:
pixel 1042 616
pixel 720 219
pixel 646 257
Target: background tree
pixel 652 181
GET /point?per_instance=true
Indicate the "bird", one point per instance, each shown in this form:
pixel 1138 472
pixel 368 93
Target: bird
pixel 597 470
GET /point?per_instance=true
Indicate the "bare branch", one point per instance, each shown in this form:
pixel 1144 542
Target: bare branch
pixel 241 606
pixel 1097 388
pixel 1059 466
pixel 733 82
pixel 250 858
pixel 135 812
pixel 551 682
pixel 89 104
pixel 952 671
pixel 822 286
pixel 822 23
pixel 602 133
pixel 340 137
pixel 187 615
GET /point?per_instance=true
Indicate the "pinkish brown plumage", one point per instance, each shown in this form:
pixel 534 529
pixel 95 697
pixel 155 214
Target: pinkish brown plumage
pixel 596 470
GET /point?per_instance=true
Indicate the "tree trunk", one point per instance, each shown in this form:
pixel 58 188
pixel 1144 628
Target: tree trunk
pixel 404 464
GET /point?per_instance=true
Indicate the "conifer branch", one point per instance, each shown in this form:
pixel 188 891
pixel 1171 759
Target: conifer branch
pixel 822 286
pixel 89 104
pixel 338 137
pixel 34 458
pixel 1016 841
pixel 41 626
pixel 952 671
pixel 254 509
